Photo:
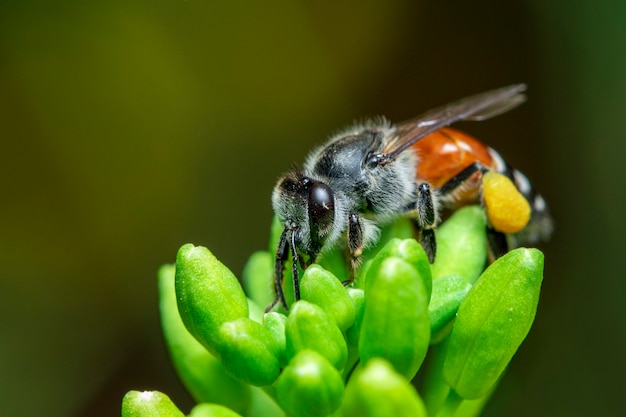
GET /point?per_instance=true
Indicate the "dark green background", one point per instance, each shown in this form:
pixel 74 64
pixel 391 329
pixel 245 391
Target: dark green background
pixel 131 127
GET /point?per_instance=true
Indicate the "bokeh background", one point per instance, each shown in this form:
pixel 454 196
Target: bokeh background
pixel 128 128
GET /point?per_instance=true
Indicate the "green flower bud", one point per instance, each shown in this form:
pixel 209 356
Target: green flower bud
pixel 358 297
pixel 322 288
pixel 202 374
pixel 209 295
pixel 212 410
pixel 309 386
pixel 378 391
pixel 249 352
pixel 149 404
pixel 395 322
pixel 408 250
pixel 448 292
pixel 275 323
pixel 402 228
pixel 492 322
pixel 461 245
pixel 264 403
pixel 255 312
pixel 433 388
pixel 221 341
pixel 472 407
pixel 309 327
pixel 334 262
pixel 258 278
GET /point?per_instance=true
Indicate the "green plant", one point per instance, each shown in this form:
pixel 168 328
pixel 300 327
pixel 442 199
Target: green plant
pixel 348 351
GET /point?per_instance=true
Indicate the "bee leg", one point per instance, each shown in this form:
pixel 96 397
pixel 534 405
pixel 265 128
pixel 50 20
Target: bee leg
pixel 498 245
pixel 282 252
pixel 295 261
pixel 427 217
pixel 429 243
pixel 468 178
pixel 355 246
pixel 472 173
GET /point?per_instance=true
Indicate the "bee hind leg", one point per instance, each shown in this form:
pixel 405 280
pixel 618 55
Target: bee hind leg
pixel 498 244
pixel 470 178
pixel 426 220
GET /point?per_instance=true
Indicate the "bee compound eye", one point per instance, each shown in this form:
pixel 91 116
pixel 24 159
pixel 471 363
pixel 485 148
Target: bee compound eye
pixel 321 206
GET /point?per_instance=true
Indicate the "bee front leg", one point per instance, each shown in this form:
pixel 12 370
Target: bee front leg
pixel 282 253
pixel 427 219
pixel 295 261
pixel 355 246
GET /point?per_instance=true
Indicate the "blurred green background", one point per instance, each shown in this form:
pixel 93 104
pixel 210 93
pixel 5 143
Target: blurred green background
pixel 131 127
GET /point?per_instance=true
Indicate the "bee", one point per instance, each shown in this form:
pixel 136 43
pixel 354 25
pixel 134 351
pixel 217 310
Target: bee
pixel 375 172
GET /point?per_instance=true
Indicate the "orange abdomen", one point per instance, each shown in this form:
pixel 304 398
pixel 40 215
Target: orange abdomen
pixel 445 153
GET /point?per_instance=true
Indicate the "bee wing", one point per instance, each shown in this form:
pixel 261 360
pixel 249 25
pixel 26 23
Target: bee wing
pixel 478 107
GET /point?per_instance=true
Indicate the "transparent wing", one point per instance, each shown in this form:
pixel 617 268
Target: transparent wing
pixel 478 107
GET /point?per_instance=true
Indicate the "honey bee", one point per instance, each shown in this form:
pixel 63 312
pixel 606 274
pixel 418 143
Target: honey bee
pixel 374 172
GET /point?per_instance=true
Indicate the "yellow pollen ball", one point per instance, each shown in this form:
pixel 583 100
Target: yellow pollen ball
pixel 507 209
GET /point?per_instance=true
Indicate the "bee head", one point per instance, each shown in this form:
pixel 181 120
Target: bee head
pixel 307 207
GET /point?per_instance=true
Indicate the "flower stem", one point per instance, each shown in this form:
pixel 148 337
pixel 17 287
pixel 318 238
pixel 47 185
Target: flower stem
pixel 450 405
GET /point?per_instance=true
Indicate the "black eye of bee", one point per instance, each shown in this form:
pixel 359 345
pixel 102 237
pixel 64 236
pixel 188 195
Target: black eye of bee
pixel 321 202
pixel 321 210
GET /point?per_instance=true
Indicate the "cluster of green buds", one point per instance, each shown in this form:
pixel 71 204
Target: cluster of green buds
pixel 407 339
